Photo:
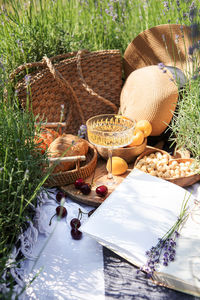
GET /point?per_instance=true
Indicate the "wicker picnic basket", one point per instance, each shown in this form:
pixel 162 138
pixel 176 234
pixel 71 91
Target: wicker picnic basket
pixel 83 83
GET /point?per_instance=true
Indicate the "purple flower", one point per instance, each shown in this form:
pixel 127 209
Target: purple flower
pixel 176 38
pixel 166 4
pixel 185 15
pixel 192 11
pixel 166 254
pixel 82 132
pixel 161 66
pixel 195 30
pixel 27 79
pixel 171 257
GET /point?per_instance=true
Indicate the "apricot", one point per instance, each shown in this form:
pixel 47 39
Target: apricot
pixel 119 165
pixel 145 126
pixel 138 138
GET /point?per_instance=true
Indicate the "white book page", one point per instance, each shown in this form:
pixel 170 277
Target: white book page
pixel 141 210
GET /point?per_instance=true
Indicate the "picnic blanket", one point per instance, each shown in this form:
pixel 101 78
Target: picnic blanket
pixel 63 268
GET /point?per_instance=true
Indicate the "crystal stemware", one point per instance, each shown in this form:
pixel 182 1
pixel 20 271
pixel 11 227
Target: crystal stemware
pixel 110 131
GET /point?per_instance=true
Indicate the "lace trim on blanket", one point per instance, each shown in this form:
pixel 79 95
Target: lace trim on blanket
pixel 24 246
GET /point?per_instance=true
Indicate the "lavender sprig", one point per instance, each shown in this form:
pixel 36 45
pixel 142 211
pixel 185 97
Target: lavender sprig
pixel 82 132
pixel 165 250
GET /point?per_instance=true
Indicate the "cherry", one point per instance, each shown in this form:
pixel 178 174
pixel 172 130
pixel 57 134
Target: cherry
pixel 76 234
pixel 78 183
pixel 59 196
pixel 101 190
pixel 85 189
pixel 61 211
pixel 91 212
pixel 75 223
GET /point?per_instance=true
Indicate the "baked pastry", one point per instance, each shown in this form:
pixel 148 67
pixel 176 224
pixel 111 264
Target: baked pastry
pixel 67 145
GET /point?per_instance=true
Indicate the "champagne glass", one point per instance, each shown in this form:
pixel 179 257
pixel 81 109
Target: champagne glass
pixel 110 131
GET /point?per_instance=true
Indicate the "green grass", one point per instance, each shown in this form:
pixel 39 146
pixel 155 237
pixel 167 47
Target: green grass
pixel 30 30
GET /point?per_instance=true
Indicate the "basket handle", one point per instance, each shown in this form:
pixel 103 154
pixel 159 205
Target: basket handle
pixel 40 63
pixel 57 75
pixel 78 55
pixel 86 86
pixel 63 82
pixel 66 86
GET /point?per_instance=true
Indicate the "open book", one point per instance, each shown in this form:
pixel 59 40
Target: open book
pixel 141 210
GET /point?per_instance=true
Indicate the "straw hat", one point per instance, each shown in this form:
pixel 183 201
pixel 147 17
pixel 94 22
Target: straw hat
pixel 168 43
pixel 150 93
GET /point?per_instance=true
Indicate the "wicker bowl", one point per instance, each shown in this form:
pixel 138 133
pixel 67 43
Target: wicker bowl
pixel 82 170
pixel 181 181
pixel 129 154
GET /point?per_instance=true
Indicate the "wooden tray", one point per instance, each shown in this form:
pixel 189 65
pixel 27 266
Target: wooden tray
pixel 100 177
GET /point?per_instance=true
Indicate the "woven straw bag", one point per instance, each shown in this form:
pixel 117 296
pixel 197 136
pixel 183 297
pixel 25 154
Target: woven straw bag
pixel 86 83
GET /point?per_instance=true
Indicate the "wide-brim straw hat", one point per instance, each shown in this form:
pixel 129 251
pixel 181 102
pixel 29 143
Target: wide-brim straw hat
pixel 150 93
pixel 167 43
pixel 154 64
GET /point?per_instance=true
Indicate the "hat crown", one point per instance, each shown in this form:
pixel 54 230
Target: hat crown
pixel 150 93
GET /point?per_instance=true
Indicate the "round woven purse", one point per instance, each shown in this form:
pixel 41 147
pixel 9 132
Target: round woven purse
pixel 84 83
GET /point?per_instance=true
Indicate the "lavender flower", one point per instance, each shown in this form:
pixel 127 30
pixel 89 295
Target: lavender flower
pixel 110 11
pixel 166 4
pixel 165 250
pixel 195 46
pixel 27 79
pixel 195 30
pixel 192 11
pixel 82 132
pixel 176 38
pixel 161 66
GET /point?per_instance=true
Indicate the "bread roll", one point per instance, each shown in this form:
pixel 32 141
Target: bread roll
pixel 67 145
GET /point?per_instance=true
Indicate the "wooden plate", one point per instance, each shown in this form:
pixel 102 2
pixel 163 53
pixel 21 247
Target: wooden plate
pixel 100 177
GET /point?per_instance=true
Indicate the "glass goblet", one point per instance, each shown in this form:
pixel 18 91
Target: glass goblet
pixel 110 131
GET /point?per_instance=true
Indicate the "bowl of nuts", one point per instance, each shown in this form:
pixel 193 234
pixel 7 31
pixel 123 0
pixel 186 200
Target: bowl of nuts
pixel 159 163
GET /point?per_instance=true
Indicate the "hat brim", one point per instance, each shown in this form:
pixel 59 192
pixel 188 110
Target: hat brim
pixel 167 43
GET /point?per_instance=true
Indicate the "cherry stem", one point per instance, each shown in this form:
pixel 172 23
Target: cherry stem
pixel 51 219
pixel 80 213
